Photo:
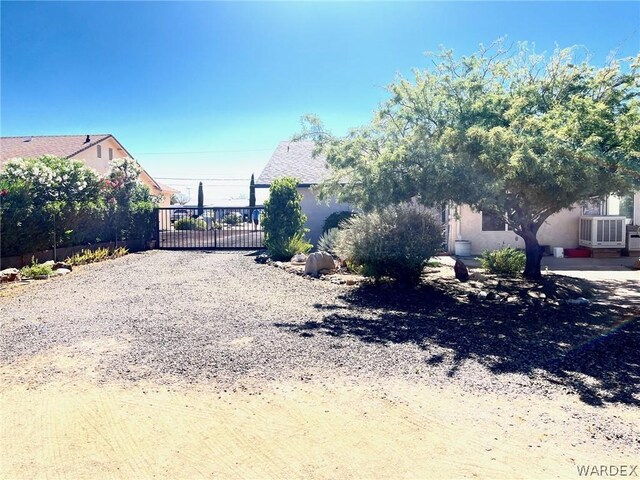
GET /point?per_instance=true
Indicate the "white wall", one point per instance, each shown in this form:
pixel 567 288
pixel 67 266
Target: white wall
pixel 317 212
pixel 560 230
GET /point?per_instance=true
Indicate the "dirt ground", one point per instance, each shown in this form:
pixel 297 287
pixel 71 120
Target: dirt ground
pixel 74 403
pixel 79 429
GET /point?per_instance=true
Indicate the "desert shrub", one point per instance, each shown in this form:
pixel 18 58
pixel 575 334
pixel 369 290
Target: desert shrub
pixel 289 247
pixel 91 256
pixel 334 220
pixel 36 270
pixel 394 242
pixel 328 241
pixel 505 261
pixel 283 220
pixel 190 224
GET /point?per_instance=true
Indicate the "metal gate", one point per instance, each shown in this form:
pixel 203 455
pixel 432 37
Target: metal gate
pixel 213 228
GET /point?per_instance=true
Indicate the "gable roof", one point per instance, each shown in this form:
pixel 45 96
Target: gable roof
pixel 64 146
pixel 294 159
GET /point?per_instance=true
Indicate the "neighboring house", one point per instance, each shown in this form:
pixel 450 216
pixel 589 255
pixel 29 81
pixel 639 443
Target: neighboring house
pixel 96 151
pixel 295 159
pixel 485 232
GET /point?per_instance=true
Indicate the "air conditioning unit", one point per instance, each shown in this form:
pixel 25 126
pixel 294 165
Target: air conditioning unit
pixel 602 231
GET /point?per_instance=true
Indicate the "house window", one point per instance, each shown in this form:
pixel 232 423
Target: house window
pixel 111 154
pixel 99 151
pixel 622 206
pixel 493 223
pixel 593 208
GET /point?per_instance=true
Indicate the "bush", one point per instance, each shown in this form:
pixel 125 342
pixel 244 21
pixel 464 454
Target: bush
pixel 328 241
pixel 395 242
pixel 233 218
pixel 36 270
pixel 505 261
pixel 283 220
pixel 334 220
pixel 91 256
pixel 289 247
pixel 190 224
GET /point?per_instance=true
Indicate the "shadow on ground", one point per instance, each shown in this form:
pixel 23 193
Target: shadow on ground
pixel 591 349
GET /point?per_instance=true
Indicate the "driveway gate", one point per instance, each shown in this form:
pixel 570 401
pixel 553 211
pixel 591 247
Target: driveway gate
pixel 215 228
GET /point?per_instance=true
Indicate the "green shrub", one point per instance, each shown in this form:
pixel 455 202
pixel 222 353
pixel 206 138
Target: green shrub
pixel 190 224
pixel 505 261
pixel 328 241
pixel 283 220
pixel 36 270
pixel 91 256
pixel 334 220
pixel 233 218
pixel 289 247
pixel 395 242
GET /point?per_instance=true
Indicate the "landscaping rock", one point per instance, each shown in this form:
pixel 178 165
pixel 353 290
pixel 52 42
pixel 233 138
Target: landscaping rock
pixel 64 265
pixel 461 271
pixel 299 259
pixel 62 271
pixel 319 261
pixel 262 258
pixel 49 262
pixel 10 275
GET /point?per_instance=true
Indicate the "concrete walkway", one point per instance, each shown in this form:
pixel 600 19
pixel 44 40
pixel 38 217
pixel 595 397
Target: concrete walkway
pixel 589 268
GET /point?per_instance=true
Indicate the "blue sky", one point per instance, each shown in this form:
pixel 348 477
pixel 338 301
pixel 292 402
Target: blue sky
pixel 233 79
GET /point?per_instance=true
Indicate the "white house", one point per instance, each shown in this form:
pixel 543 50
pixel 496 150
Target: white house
pixel 295 159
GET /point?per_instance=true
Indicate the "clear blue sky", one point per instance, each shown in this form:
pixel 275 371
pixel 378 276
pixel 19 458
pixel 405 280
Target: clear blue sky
pixel 233 79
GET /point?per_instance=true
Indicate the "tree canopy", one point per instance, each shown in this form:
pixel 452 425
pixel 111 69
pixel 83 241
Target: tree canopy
pixel 506 131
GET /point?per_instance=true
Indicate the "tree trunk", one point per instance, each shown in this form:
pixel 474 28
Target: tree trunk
pixel 534 255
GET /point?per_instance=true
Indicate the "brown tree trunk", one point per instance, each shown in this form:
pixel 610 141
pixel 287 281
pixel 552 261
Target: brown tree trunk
pixel 534 255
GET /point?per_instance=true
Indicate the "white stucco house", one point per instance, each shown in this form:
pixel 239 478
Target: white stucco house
pixel 562 229
pixel 295 159
pixel 95 150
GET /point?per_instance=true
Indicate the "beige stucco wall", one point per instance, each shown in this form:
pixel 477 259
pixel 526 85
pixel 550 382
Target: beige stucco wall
pixel 636 209
pixel 560 230
pixel 317 212
pixel 101 165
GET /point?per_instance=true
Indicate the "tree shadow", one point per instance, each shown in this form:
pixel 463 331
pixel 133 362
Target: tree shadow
pixel 591 348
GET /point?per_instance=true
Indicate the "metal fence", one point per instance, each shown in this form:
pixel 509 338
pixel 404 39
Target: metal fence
pixel 213 228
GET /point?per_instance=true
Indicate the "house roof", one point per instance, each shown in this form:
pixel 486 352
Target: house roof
pixel 294 159
pixel 65 146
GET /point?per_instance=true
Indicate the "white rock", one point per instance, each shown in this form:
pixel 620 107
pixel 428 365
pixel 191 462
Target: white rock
pixel 62 271
pixel 49 262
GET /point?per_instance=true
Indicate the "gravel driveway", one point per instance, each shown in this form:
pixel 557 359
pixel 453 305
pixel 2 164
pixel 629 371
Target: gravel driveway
pixel 221 320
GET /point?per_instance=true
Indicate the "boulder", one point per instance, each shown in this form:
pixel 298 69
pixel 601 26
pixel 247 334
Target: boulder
pixel 62 271
pixel 64 265
pixel 299 258
pixel 49 262
pixel 461 271
pixel 9 275
pixel 319 261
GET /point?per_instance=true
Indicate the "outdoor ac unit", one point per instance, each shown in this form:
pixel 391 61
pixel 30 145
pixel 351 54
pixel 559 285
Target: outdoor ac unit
pixel 602 231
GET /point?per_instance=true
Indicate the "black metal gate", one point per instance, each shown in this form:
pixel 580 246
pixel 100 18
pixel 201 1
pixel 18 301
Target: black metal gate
pixel 214 228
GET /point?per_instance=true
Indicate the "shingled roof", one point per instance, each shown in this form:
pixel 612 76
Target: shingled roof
pixel 294 159
pixel 65 146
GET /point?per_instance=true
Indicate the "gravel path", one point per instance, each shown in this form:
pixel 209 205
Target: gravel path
pixel 220 318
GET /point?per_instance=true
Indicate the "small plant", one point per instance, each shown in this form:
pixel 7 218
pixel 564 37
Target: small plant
pixel 287 248
pixel 36 270
pixel 335 219
pixel 505 261
pixel 395 242
pixel 190 224
pixel 92 256
pixel 328 241
pixel 233 218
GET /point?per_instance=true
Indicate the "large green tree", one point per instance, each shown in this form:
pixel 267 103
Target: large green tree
pixel 505 131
